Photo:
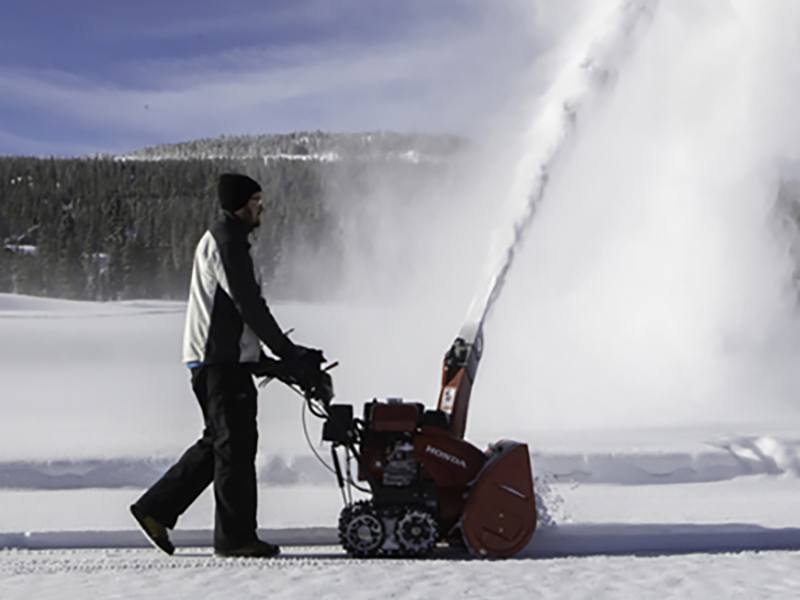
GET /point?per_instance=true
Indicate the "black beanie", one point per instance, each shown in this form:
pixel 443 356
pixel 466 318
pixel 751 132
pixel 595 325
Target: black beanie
pixel 235 190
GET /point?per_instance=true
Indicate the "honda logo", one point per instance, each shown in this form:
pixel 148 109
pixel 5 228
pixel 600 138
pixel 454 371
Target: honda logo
pixel 445 456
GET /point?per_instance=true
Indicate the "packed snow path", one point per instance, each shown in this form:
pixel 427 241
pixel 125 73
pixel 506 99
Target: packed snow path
pixel 323 573
pixel 548 542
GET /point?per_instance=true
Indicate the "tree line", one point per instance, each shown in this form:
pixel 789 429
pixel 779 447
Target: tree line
pixel 109 229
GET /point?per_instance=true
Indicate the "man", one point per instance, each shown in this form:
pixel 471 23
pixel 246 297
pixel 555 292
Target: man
pixel 226 320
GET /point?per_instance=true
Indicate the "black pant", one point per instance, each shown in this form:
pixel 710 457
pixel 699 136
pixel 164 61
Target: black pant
pixel 225 454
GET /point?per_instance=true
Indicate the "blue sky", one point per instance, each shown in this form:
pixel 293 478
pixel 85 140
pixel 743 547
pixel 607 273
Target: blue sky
pixel 89 76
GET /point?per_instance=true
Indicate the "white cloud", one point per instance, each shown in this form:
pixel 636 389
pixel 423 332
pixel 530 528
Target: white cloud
pixel 32 146
pixel 252 19
pixel 447 78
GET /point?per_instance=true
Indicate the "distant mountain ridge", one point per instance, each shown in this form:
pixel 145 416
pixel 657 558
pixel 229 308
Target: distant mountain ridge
pixel 310 146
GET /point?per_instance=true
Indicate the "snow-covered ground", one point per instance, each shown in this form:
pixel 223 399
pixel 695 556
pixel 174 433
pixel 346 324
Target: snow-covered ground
pixel 98 404
pixel 322 573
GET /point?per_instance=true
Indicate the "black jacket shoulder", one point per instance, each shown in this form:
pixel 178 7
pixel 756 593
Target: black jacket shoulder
pixel 231 235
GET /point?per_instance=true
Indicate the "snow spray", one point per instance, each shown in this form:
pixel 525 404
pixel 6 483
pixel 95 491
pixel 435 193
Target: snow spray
pixel 582 82
pixel 654 290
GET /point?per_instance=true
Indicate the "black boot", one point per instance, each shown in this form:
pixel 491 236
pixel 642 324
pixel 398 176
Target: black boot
pixel 156 533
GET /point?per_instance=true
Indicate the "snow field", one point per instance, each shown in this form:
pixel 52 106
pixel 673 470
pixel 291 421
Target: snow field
pixel 323 573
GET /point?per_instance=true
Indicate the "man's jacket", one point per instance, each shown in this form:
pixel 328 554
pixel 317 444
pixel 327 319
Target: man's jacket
pixel 227 316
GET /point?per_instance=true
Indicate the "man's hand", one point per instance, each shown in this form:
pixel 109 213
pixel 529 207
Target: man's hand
pixel 308 361
pixel 321 389
pixel 307 370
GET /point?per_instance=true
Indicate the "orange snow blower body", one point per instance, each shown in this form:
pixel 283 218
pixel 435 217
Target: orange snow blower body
pixel 426 483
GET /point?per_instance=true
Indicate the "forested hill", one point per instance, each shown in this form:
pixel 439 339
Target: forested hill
pixel 124 227
pixel 108 228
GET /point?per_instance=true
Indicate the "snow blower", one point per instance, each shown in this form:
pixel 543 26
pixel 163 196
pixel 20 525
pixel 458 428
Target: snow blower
pixel 425 483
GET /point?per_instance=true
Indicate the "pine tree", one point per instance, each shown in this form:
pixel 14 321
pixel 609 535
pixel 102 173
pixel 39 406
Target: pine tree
pixel 70 281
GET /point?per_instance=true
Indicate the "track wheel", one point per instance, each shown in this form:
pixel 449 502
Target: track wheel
pixel 416 532
pixel 361 530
